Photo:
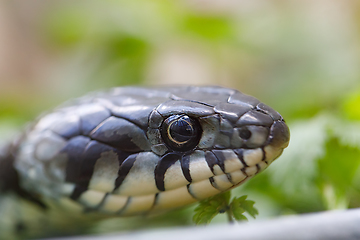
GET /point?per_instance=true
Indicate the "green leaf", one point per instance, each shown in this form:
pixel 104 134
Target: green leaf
pixel 210 207
pixel 241 205
pixel 338 169
pixel 237 211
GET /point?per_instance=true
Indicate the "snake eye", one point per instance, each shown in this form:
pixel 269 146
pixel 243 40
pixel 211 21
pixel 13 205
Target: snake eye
pixel 181 132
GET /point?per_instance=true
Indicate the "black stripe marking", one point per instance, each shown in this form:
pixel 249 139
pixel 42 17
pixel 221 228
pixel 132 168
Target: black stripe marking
pixel 264 155
pixel 185 167
pixel 189 191
pixel 87 163
pixel 165 162
pixel 97 207
pixel 212 160
pixel 244 172
pixel 240 154
pixel 221 159
pixel 78 190
pixel 121 210
pixel 124 169
pixel 228 176
pixel 213 183
pixel 156 199
pixel 258 169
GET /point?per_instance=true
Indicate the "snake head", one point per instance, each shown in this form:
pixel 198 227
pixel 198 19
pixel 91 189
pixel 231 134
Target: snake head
pixel 132 151
pixel 212 141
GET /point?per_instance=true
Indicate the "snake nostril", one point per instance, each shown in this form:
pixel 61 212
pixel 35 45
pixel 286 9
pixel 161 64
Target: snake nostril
pixel 245 133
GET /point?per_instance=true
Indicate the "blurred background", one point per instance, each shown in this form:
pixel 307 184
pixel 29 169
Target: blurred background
pixel 300 57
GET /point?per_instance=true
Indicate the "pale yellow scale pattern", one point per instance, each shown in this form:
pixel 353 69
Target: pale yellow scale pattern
pixel 146 198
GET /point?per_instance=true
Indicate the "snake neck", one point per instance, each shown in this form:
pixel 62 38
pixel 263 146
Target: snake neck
pixel 24 215
pixel 9 178
pixel 13 198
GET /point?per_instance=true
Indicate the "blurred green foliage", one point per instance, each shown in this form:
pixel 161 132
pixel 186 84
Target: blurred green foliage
pixel 273 52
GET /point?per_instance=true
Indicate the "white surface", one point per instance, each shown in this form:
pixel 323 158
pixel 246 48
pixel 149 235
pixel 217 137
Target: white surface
pixel 327 225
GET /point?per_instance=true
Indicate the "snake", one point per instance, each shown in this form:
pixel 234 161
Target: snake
pixel 133 151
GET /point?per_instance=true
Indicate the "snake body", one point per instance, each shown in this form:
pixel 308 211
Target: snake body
pixel 132 151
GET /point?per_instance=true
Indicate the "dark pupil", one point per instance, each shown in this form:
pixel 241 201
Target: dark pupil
pixel 245 133
pixel 181 132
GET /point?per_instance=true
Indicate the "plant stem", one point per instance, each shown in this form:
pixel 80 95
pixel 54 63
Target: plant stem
pixel 230 216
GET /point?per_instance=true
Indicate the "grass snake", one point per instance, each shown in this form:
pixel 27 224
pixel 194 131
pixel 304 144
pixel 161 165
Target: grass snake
pixel 133 151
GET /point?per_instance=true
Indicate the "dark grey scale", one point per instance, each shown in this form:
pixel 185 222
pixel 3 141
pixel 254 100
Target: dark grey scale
pixel 232 112
pixel 184 107
pixel 155 119
pixel 225 133
pixel 137 114
pixel 154 136
pixel 121 134
pixel 254 117
pixel 243 99
pixel 222 141
pixel 160 170
pixel 225 125
pixel 68 127
pixel 74 149
pixel 124 169
pixel 91 115
pixel 265 108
